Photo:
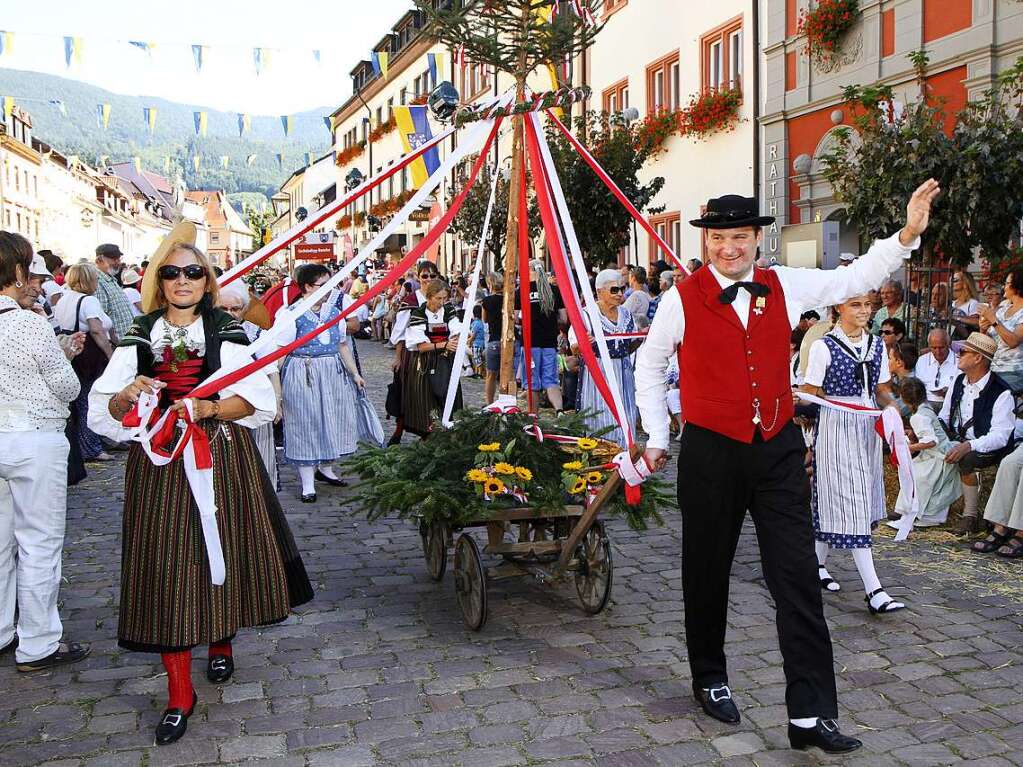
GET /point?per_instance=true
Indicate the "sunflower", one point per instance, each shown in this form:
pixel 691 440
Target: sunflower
pixel 504 468
pixel 491 447
pixel 572 465
pixel 494 486
pixel 594 477
pixel 523 473
pixel 585 443
pixel 578 487
pixel 476 475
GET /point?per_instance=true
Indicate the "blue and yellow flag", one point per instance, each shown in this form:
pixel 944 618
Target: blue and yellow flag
pixel 280 160
pixel 261 58
pixel 8 108
pixel 381 61
pixel 103 113
pixel 250 159
pixel 414 128
pixel 196 159
pixel 103 161
pixel 137 162
pixel 201 120
pixel 72 50
pixel 286 124
pixel 436 63
pixel 225 160
pixel 6 42
pixel 150 114
pixel 244 124
pixel 197 57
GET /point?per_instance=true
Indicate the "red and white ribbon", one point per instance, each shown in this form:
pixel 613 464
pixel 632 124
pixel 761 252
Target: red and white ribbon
pixel 888 423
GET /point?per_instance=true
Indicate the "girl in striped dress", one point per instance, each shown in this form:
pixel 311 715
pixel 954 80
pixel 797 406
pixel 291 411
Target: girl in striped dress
pixel 614 318
pixel 168 601
pixel 319 386
pixel 849 365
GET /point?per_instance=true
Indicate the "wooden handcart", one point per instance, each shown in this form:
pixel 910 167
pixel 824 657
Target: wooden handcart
pixel 551 546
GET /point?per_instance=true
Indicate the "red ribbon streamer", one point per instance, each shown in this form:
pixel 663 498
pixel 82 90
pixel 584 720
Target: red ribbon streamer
pixel 616 191
pixel 212 387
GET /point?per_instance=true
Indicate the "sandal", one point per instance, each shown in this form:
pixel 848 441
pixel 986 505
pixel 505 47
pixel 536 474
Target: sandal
pixel 993 542
pixel 828 583
pixel 1013 549
pixel 890 606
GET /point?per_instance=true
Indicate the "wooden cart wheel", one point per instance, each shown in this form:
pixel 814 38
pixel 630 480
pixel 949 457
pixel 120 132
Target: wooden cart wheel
pixel 470 582
pixel 434 548
pixel 595 575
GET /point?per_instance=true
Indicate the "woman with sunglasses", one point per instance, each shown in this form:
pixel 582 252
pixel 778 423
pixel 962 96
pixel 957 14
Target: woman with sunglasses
pixel 168 602
pixel 614 318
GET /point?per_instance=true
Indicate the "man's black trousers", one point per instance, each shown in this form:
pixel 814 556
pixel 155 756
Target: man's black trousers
pixel 718 480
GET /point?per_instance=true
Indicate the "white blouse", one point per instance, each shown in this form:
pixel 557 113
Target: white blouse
pixel 416 334
pixel 820 360
pixel 122 369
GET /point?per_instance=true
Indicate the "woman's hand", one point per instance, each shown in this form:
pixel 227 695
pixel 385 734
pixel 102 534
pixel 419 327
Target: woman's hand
pixel 201 408
pixel 359 381
pixel 72 345
pixel 131 392
pixel 451 345
pixel 987 315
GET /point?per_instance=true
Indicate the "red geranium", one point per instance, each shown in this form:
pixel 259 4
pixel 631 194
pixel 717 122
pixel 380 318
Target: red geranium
pixel 824 25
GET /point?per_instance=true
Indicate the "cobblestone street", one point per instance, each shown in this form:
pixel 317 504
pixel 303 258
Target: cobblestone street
pixel 378 668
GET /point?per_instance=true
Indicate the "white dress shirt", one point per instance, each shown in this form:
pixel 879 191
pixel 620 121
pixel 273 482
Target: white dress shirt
pixel 820 361
pixel 1002 419
pixel 936 376
pixel 803 289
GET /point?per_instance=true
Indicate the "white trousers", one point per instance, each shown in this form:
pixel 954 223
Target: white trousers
pixel 33 512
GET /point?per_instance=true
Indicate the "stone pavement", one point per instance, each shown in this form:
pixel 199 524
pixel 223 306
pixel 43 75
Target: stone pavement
pixel 378 668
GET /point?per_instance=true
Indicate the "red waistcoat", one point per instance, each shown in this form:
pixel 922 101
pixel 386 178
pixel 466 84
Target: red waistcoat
pixel 726 371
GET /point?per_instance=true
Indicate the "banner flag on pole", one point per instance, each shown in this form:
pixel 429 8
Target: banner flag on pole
pixel 286 124
pixel 201 120
pixel 103 113
pixel 280 160
pixel 137 162
pixel 166 164
pixel 196 160
pixel 225 160
pixel 244 124
pixel 250 159
pixel 414 128
pixel 197 51
pixel 72 50
pixel 150 114
pixel 8 108
pixel 385 61
pixel 6 42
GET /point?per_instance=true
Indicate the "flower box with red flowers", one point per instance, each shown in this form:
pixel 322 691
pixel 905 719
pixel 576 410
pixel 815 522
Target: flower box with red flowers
pixel 824 24
pixel 345 156
pixel 711 111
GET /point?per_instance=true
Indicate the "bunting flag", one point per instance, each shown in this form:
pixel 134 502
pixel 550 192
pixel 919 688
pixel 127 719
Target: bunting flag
pixel 286 124
pixel 137 162
pixel 244 124
pixel 196 159
pixel 72 50
pixel 142 46
pixel 149 113
pixel 250 159
pixel 225 160
pixel 316 56
pixel 280 160
pixel 8 108
pixel 103 160
pixel 6 42
pixel 73 160
pixel 103 113
pixel 201 119
pixel 197 54
pixel 414 128
pixel 329 123
pixel 261 58
pixel 308 158
pixel 166 164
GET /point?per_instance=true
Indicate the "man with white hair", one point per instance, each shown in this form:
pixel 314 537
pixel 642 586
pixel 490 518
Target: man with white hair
pixel 730 325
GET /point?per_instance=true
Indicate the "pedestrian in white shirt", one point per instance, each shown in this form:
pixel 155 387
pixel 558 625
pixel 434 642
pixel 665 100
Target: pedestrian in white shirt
pixel 937 368
pixel 130 280
pixel 730 326
pixel 36 385
pixel 977 414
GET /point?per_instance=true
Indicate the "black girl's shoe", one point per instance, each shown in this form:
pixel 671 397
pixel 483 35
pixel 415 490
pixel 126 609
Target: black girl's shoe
pixel 219 668
pixel 334 481
pixel 827 582
pixel 890 606
pixel 308 497
pixel 174 723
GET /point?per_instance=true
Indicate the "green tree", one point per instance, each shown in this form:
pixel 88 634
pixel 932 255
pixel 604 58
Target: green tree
pixel 601 222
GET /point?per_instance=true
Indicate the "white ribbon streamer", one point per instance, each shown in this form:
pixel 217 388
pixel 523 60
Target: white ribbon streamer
pixel 895 436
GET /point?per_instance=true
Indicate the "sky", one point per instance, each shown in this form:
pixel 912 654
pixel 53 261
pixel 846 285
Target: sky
pixel 343 30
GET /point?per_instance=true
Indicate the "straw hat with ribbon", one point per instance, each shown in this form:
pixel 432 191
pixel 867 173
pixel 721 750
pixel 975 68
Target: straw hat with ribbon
pixel 981 343
pixel 183 233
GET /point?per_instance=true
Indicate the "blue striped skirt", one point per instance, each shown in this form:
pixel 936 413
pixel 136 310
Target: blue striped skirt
pixel 319 410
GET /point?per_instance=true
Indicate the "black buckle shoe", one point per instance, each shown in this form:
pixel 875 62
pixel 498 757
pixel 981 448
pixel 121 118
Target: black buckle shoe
pixel 717 703
pixel 219 668
pixel 308 497
pixel 825 735
pixel 319 476
pixel 174 723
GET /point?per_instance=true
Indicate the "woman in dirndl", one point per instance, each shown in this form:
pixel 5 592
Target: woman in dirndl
pixel 614 318
pixel 431 338
pixel 168 601
pixel 320 384
pixel 850 366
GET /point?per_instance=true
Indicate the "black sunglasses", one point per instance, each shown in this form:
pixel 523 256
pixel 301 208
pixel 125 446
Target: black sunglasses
pixel 616 289
pixel 429 276
pixel 171 272
pixel 888 332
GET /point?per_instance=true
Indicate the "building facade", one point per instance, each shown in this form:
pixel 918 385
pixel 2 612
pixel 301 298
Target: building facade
pixel 968 42
pixel 21 169
pixel 655 56
pixel 229 237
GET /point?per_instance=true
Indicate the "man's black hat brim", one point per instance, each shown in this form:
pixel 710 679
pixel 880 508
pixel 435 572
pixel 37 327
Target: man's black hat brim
pixel 737 223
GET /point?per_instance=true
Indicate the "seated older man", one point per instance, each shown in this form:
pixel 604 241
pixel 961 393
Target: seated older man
pixel 977 414
pixel 937 368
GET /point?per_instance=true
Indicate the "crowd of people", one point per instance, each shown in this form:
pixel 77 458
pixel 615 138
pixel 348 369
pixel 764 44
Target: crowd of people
pixel 88 345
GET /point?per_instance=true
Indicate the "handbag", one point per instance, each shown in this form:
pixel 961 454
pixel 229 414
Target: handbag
pixel 392 404
pixel 439 374
pixel 367 422
pixel 88 365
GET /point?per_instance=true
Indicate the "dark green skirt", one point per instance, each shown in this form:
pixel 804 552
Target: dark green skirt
pixel 168 602
pixel 425 386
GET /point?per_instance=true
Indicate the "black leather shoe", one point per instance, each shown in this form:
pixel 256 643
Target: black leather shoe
pixel 219 668
pixel 334 481
pixel 174 723
pixel 825 736
pixel 308 497
pixel 717 702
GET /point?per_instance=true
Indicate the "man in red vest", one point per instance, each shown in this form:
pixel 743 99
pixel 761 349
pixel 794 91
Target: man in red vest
pixel 741 451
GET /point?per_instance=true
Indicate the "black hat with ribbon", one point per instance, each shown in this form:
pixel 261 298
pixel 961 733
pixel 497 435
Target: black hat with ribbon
pixel 731 212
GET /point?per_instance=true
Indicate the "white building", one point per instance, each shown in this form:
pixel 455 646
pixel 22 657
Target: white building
pixel 20 171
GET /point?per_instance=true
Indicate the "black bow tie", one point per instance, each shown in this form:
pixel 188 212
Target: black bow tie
pixel 754 288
